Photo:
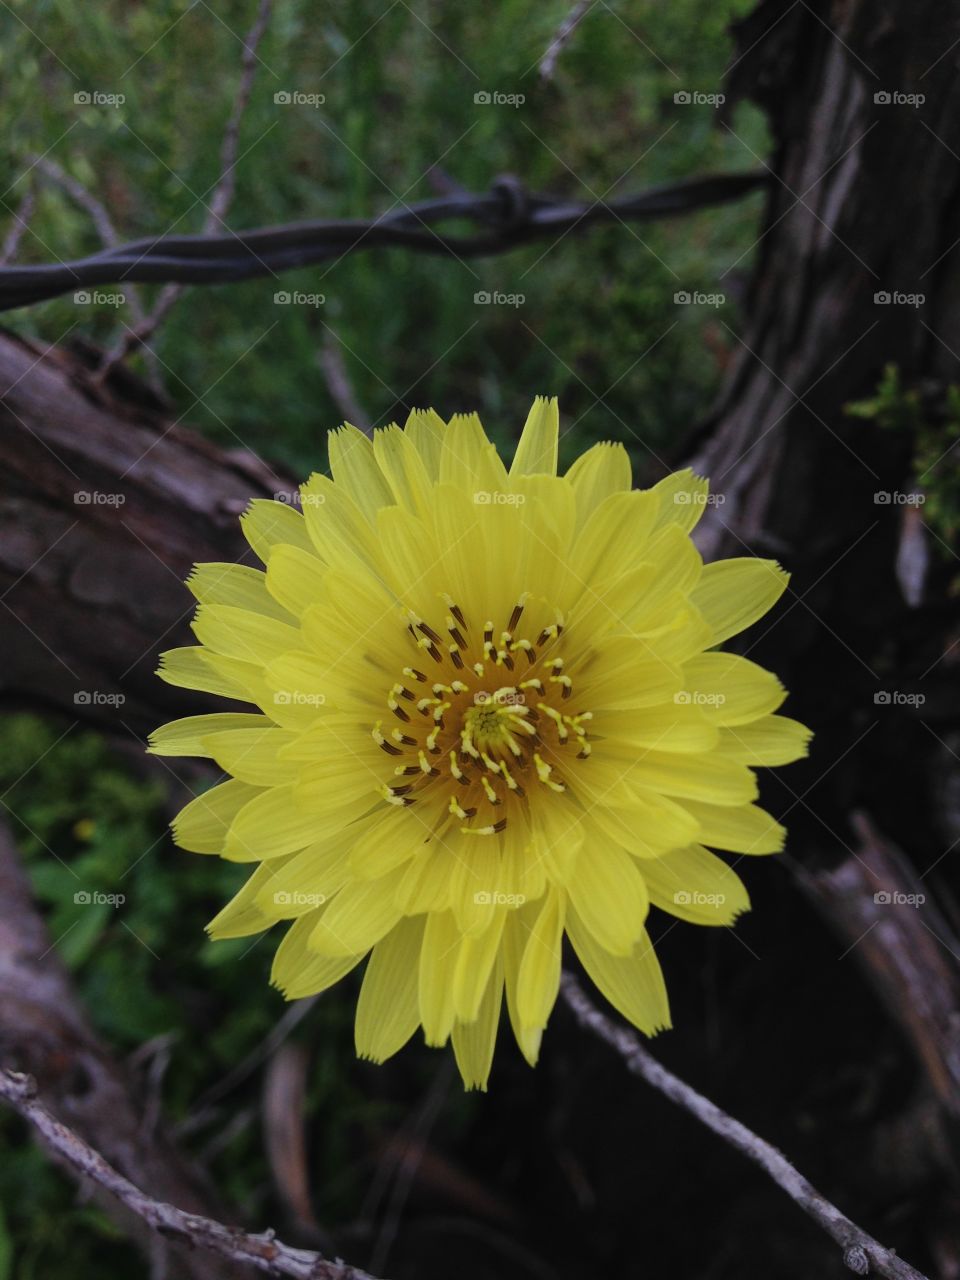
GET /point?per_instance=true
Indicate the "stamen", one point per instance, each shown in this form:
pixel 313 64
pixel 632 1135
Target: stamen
pixel 428 631
pixel 488 788
pixel 414 674
pixel 517 611
pixel 381 741
pixel 455 657
pixel 455 632
pixel 426 766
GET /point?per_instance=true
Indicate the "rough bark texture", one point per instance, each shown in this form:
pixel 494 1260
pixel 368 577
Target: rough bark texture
pixel 44 1031
pixel 104 507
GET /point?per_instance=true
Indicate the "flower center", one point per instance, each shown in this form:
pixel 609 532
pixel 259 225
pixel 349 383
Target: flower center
pixel 481 719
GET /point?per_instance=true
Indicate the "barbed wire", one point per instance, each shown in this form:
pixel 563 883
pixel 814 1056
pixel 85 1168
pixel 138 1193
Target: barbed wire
pixel 507 217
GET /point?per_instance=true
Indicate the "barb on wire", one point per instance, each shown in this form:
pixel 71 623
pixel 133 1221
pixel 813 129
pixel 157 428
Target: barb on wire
pixel 507 217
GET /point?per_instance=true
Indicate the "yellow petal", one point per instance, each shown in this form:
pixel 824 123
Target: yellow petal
pixel 682 497
pixel 771 740
pixel 298 971
pixel 729 689
pixel 185 737
pixel 671 726
pixel 598 473
pixel 426 429
pixel 613 538
pixel 388 1010
pixel 620 673
pixel 242 916
pixel 474 964
pixel 190 668
pixel 359 916
pixel 468 460
pixel 473 1042
pixel 203 824
pixel 251 754
pixel 745 829
pixel 515 934
pixel 633 984
pixel 537 450
pixel 236 585
pixel 300 882
pixel 694 884
pixel 707 777
pixel 401 463
pixel 265 524
pixel 238 633
pixel 539 978
pixel 733 594
pixel 354 468
pixel 271 824
pixel 441 938
pixel 609 895
pixel 295 578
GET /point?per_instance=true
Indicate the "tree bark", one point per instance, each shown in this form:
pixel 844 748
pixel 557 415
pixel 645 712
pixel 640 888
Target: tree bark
pixel 104 508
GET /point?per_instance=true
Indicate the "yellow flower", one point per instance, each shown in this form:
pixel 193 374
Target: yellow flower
pixel 485 711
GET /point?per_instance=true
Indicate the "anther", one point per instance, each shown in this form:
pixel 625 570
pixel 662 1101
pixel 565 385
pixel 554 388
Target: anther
pixel 414 674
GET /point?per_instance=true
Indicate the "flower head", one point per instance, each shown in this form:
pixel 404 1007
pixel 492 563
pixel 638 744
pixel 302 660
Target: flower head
pixel 485 710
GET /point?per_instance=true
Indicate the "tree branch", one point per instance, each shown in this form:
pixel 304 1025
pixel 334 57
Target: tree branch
pixel 861 1253
pixel 262 1251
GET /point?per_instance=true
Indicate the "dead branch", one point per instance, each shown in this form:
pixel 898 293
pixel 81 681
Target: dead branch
pixel 861 1253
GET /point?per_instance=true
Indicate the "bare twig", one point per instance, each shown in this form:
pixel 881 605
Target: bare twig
pixel 220 202
pixel 334 368
pixel 861 1253
pixel 262 1251
pixel 564 33
pixel 223 193
pixel 21 223
pixel 108 234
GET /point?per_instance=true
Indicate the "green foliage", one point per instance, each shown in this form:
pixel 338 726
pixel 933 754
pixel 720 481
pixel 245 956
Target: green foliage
pixel 932 418
pixel 399 88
